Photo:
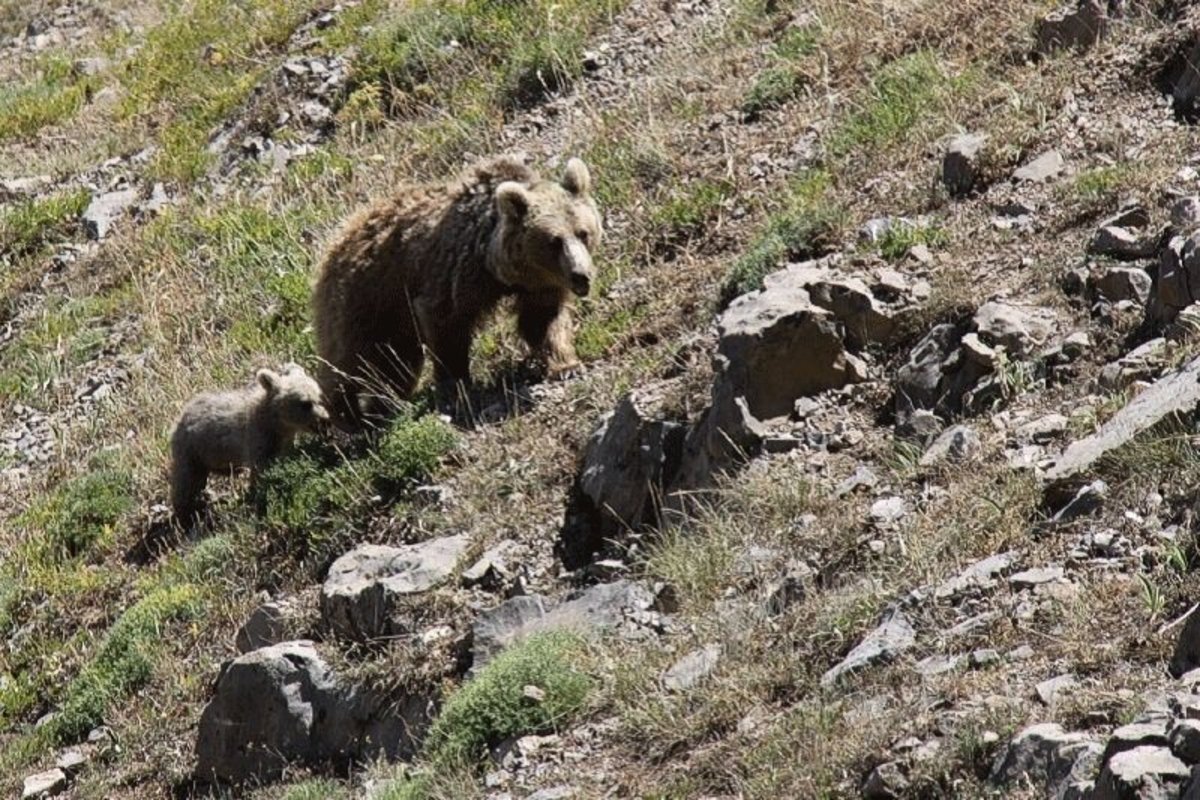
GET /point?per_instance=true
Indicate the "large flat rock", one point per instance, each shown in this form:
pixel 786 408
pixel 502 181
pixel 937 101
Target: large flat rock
pixel 1174 394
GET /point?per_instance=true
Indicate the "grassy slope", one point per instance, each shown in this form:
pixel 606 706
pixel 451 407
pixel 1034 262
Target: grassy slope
pixel 218 284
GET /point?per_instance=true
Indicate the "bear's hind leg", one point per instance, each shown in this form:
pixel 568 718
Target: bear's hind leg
pixel 188 479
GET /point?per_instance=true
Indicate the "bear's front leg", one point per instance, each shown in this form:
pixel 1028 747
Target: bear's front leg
pixel 451 350
pixel 544 322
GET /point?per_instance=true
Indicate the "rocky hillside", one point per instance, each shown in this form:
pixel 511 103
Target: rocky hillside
pixel 879 479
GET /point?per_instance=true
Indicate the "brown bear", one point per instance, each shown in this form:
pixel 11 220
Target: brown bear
pixel 422 268
pixel 219 431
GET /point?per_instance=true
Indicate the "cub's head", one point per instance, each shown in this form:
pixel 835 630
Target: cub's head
pixel 548 232
pixel 294 397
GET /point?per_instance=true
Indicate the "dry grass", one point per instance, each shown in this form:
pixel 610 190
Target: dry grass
pixel 218 285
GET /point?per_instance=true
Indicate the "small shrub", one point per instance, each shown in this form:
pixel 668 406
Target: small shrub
pixel 409 451
pixel 900 238
pixel 492 706
pixel 123 663
pixel 84 510
pixel 782 79
pixel 687 213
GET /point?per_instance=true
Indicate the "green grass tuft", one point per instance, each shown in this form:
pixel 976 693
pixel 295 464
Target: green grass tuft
pixel 900 238
pixel 55 94
pixel 492 706
pixel 29 225
pixel 807 227
pixel 124 662
pixel 900 97
pixel 782 79
pixel 83 511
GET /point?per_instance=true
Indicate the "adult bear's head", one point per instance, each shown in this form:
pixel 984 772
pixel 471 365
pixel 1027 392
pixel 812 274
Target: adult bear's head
pixel 547 233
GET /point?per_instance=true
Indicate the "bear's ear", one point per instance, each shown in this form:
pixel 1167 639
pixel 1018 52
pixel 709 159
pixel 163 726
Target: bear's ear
pixel 576 178
pixel 512 200
pixel 269 380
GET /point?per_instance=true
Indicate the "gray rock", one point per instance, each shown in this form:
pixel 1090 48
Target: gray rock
pixel 283 704
pixel 1020 329
pixel 629 460
pixel 72 759
pixel 44 784
pixel 894 636
pixel 1185 740
pixel 886 782
pixel 863 478
pixel 1187 647
pixel 692 668
pixel 104 210
pixel 960 165
pixel 1178 393
pixel 24 186
pixel 1046 167
pixel 776 346
pixel 920 427
pixel 597 608
pixel 90 66
pixel 1133 215
pixel 1178 273
pixel 920 381
pixel 1117 242
pixel 980 576
pixel 984 657
pixel 888 510
pixel 490 570
pixel 1048 690
pixel 1042 429
pixel 362 587
pixel 1143 773
pixel 266 625
pixel 1124 283
pixel 1185 214
pixel 1032 578
pixel 1041 755
pixel 1138 734
pixel 1076 26
pixel 934 665
pixel 956 445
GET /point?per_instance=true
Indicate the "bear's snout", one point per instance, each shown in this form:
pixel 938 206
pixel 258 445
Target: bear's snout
pixel 581 283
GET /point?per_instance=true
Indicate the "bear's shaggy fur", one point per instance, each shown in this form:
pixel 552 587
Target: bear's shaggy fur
pixel 422 269
pixel 219 431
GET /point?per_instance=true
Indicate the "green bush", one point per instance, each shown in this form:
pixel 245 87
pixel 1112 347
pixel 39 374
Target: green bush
pixel 492 707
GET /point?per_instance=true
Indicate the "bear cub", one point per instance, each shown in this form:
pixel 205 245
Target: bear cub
pixel 218 431
pixel 420 271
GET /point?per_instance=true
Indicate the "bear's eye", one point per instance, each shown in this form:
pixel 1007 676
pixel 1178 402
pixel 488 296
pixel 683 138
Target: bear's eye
pixel 559 242
pixel 583 237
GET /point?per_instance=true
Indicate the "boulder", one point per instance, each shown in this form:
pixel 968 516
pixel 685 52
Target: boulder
pixel 1044 755
pixel 777 345
pixel 361 590
pixel 1076 26
pixel 1137 734
pixel 1187 647
pixel 1046 167
pixel 44 784
pixel 957 444
pixel 1173 395
pixel 1179 274
pixel 597 608
pixel 894 636
pixel 1019 329
pixel 960 164
pixel 1184 739
pixel 104 210
pixel 919 382
pixel 1185 214
pixel 886 782
pixel 692 668
pixel 1119 243
pixel 1143 773
pixel 266 625
pixel 980 576
pixel 629 460
pixel 283 704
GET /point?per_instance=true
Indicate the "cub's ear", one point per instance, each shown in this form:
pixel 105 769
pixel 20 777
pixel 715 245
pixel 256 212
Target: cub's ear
pixel 576 178
pixel 269 380
pixel 512 199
